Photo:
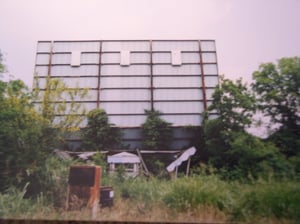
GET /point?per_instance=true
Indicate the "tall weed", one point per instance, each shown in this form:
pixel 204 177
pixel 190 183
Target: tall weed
pixel 141 189
pixel 191 193
pixel 268 199
pixel 53 180
pixel 14 205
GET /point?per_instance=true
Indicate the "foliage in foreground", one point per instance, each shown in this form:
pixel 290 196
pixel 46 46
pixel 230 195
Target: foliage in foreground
pixel 13 204
pixel 267 199
pixel 239 201
pixel 275 94
pixel 21 132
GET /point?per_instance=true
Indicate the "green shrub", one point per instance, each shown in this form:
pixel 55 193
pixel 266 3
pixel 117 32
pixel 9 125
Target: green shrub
pixel 239 200
pixel 269 199
pixel 191 193
pixel 52 180
pixel 14 205
pixel 99 134
pixel 157 133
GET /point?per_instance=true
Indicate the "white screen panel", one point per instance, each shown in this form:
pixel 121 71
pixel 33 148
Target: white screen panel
pixel 177 94
pixel 127 121
pixel 125 45
pixel 125 58
pixel 125 107
pixel 82 124
pixel 176 57
pixel 90 96
pixel 124 94
pixel 83 70
pixel 81 82
pixel 41 70
pixel 92 58
pixel 76 46
pixel 61 59
pixel 40 82
pixel 75 58
pixel 175 70
pixel 192 81
pixel 44 47
pixel 166 57
pixel 134 58
pixel 110 58
pixel 183 120
pixel 59 120
pixel 89 106
pixel 42 59
pixel 179 107
pixel 190 57
pixel 175 45
pixel 211 81
pixel 130 70
pixel 210 69
pixel 209 93
pixel 123 82
pixel 139 57
pixel 75 108
pixel 208 45
pixel 161 57
pixel 209 57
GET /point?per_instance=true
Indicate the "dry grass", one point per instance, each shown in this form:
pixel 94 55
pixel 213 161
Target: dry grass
pixel 130 211
pixel 125 210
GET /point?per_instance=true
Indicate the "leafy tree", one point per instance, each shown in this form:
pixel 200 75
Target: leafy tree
pixel 58 100
pixel 279 91
pixel 57 105
pixel 234 103
pixel 254 157
pixel 238 154
pixel 26 135
pixel 278 88
pixel 229 146
pixel 21 129
pixel 99 134
pixel 157 133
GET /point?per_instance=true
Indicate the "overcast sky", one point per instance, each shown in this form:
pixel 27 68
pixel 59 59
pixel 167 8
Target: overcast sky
pixel 247 32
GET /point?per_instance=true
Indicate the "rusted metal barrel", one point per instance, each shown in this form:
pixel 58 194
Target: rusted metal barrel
pixel 106 196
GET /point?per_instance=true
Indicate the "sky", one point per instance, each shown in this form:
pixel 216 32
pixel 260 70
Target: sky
pixel 247 32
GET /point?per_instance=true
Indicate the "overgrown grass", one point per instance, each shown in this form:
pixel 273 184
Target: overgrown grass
pixel 268 199
pixel 186 198
pixel 191 193
pixel 14 205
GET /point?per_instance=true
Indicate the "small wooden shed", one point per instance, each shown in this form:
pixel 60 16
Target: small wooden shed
pixel 129 161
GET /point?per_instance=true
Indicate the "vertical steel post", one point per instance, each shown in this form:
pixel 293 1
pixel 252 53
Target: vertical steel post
pixel 50 59
pixel 99 75
pixel 151 77
pixel 202 78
